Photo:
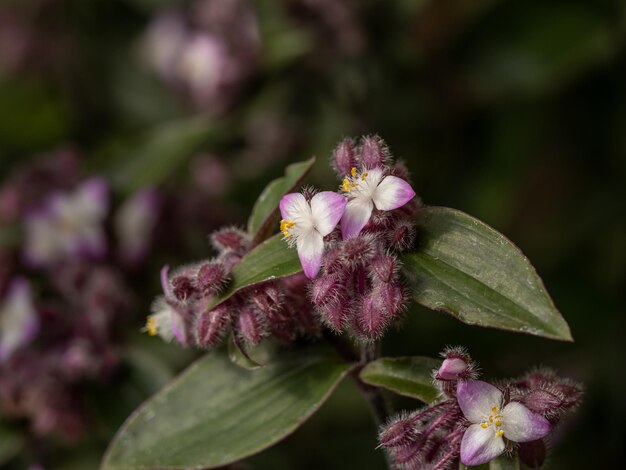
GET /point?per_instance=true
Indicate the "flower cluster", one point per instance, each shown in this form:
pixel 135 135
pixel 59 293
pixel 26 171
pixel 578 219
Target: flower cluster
pixel 183 313
pixel 476 421
pixel 208 52
pixel 62 299
pixel 358 288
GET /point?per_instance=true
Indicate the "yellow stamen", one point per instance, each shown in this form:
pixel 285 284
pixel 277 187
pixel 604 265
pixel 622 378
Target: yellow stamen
pixel 151 326
pixel 363 176
pixel 484 425
pixel 346 185
pixel 285 225
pixel 353 172
pixel 500 433
pixel 495 409
pixel 498 424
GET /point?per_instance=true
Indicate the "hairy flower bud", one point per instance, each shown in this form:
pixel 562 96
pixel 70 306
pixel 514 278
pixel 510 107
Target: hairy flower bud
pixel 250 327
pixel 393 298
pixel 267 298
pixel 326 289
pixel 373 316
pixel 398 433
pixel 212 325
pixel 210 278
pixel 345 157
pixel 402 236
pixel 183 287
pixel 384 268
pixel 374 152
pixel 358 251
pixel 452 368
pixel 231 238
pixel 334 314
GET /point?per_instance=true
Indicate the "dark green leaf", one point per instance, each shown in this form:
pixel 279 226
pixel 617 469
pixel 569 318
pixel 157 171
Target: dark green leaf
pixel 468 269
pixel 264 218
pixel 216 413
pixel 409 376
pixel 271 259
pixel 504 462
pixel 238 355
pixel 11 443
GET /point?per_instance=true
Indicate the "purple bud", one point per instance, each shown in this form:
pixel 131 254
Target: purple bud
pixel 345 157
pixel 358 251
pixel 372 316
pixel 402 236
pixel 249 326
pixel 268 299
pixel 374 152
pixel 384 268
pixel 212 325
pixel 231 238
pixel 210 278
pixel 393 298
pixel 183 288
pixel 229 260
pixel 532 454
pixel 398 433
pixel 325 289
pixel 452 368
pixel 334 314
pixel 332 261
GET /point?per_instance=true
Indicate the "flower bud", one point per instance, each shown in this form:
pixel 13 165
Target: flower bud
pixel 452 368
pixel 402 236
pixel 183 287
pixel 345 157
pixel 212 325
pixel 334 314
pixel 398 433
pixel 325 289
pixel 374 152
pixel 250 327
pixel 384 268
pixel 231 238
pixel 267 298
pixel 358 251
pixel 210 278
pixel 372 316
pixel 392 297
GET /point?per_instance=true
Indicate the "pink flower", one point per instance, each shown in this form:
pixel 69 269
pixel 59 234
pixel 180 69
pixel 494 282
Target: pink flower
pixel 369 189
pixel 493 422
pixel 70 224
pixel 305 224
pixel 18 318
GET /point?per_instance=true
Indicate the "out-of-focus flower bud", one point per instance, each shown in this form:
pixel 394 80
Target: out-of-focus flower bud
pixel 210 278
pixel 374 152
pixel 250 327
pixel 212 325
pixel 183 287
pixel 231 238
pixel 344 157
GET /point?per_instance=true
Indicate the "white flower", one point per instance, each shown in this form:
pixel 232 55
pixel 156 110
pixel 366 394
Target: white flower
pixel 367 190
pixel 70 224
pixel 482 405
pixel 306 224
pixel 18 319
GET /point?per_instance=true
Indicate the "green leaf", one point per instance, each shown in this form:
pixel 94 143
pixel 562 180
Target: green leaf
pixel 464 267
pixel 504 462
pixel 156 155
pixel 408 376
pixel 271 259
pixel 216 413
pixel 238 355
pixel 11 444
pixel 265 215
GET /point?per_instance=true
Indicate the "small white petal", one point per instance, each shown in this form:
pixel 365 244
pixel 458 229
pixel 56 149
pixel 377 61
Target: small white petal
pixel 356 216
pixel 294 206
pixel 522 425
pixel 480 445
pixel 391 193
pixel 310 246
pixel 327 209
pixel 476 399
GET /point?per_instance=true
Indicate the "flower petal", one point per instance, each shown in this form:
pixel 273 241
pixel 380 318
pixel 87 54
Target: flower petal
pixel 480 445
pixel 310 246
pixel 92 198
pixel 522 425
pixel 327 208
pixel 356 216
pixel 391 193
pixel 19 322
pixel 476 399
pixel 294 206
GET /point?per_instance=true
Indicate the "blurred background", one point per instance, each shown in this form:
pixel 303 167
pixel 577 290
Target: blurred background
pixel 129 129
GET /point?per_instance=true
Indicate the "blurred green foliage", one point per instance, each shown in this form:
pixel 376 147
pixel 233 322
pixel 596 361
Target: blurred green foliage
pixel 514 112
